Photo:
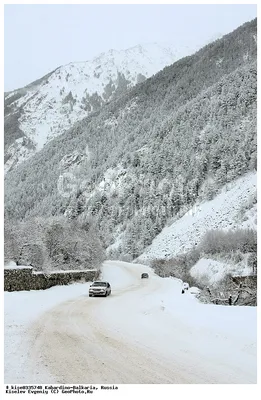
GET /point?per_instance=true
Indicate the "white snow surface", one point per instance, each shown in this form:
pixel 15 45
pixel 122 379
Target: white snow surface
pixel 215 270
pixel 20 309
pixel 223 212
pixel 12 265
pixel 61 271
pixel 157 334
pixel 47 115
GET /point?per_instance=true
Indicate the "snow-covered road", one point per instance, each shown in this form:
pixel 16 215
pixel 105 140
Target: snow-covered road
pixel 145 332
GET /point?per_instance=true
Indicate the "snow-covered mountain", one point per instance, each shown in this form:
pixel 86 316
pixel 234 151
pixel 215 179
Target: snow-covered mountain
pixel 145 159
pixel 46 108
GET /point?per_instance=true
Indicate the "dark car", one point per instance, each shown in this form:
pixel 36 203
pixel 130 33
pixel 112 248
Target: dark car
pixel 100 289
pixel 144 275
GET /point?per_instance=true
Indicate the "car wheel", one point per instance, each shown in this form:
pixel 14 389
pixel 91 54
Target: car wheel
pixel 90 295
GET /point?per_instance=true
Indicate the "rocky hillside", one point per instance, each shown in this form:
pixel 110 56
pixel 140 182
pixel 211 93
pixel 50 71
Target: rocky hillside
pixel 49 106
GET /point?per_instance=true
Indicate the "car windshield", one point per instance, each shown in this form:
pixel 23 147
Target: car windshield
pixel 99 284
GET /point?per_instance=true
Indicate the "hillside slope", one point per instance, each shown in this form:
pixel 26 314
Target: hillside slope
pixel 49 106
pixel 151 154
pixel 234 207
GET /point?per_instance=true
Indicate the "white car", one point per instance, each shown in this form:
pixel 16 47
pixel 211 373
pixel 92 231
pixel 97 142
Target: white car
pixel 99 289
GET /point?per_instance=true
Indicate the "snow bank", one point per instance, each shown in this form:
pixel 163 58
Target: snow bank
pixel 62 271
pixel 12 265
pixel 220 213
pixel 22 308
pixel 194 290
pixel 34 302
pixel 186 309
pixel 160 316
pixel 215 270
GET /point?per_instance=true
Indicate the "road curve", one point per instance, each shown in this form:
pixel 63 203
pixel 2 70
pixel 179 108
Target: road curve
pixel 129 337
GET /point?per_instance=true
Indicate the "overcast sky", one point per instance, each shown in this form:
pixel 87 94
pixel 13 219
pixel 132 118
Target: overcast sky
pixel 39 38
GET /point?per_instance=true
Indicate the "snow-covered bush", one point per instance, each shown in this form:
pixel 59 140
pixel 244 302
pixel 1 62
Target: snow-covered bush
pixel 53 243
pixel 218 241
pixel 252 262
pixel 243 291
pixel 178 267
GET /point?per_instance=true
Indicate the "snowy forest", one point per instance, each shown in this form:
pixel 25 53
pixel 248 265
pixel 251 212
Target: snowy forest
pixel 142 160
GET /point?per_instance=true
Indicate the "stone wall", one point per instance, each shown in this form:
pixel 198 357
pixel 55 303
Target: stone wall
pixel 17 279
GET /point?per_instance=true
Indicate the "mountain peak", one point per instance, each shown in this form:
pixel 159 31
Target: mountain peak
pixel 51 105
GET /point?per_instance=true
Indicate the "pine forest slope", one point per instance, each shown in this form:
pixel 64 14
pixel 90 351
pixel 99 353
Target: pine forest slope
pixel 152 153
